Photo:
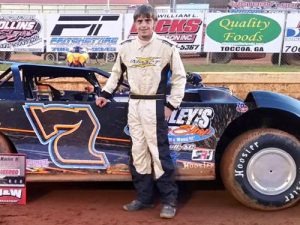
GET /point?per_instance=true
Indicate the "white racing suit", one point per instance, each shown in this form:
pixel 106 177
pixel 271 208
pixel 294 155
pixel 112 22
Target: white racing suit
pixel 146 67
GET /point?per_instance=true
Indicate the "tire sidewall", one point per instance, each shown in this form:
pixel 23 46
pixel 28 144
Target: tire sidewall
pixel 255 145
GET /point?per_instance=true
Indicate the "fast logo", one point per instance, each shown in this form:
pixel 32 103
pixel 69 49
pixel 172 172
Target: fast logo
pixel 70 132
pixel 190 125
pixel 90 24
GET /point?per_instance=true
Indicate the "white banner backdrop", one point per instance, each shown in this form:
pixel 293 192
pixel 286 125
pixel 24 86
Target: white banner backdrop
pixel 95 33
pixel 227 32
pixel 292 34
pixel 21 33
pixel 183 28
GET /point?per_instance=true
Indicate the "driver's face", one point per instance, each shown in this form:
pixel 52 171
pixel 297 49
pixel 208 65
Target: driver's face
pixel 145 27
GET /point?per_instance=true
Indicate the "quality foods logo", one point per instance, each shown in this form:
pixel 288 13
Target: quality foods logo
pixel 17 28
pixel 243 28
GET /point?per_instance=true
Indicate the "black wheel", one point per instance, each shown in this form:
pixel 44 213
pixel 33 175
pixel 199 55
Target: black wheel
pixel 221 57
pixel 292 59
pixel 110 56
pixel 275 59
pixel 260 169
pixel 7 55
pixel 4 145
pixel 2 55
pixel 50 56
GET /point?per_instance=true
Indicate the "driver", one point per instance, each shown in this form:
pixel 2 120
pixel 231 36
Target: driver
pixel 146 60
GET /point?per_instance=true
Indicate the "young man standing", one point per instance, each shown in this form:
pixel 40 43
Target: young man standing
pixel 146 61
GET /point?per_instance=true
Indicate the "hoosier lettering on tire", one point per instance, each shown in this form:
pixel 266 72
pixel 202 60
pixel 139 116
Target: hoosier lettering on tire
pixel 260 169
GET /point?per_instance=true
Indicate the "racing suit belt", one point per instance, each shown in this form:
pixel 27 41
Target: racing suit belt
pixel 157 97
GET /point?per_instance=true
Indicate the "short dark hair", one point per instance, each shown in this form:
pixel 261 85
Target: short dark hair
pixel 145 11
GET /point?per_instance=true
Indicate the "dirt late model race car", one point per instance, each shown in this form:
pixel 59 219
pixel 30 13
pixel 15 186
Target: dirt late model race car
pixel 253 144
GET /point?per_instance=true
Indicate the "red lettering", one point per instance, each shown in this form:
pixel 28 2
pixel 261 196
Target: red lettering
pixel 192 26
pixel 177 26
pixel 162 26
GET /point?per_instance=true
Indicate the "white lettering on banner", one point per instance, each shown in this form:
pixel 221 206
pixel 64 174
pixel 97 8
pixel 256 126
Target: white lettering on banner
pixel 11 192
pixel 17 25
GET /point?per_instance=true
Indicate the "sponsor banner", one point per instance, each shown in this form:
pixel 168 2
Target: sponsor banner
pixel 21 33
pixel 183 28
pixel 292 34
pixel 95 33
pixel 228 32
pixel 12 179
pixel 13 195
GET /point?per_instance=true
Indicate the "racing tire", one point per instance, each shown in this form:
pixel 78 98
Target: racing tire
pixel 7 55
pixel 275 59
pixel 221 57
pixel 4 145
pixel 50 56
pixel 110 56
pixel 292 59
pixel 260 169
pixel 2 55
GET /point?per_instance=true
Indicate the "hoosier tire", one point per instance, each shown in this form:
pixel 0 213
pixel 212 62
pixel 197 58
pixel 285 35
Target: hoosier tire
pixel 260 169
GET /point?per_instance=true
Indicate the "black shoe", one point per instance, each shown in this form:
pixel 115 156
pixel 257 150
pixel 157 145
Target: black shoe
pixel 168 212
pixel 136 205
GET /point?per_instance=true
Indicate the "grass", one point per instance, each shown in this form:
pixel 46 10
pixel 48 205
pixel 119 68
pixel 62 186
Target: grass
pixel 200 66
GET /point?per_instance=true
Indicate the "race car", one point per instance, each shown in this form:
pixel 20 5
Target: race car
pixel 253 144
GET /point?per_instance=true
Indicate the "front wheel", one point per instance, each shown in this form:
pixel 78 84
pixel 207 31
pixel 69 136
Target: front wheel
pixel 260 169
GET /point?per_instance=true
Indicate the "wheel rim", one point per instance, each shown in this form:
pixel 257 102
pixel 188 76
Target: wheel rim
pixel 50 57
pixel 271 171
pixel 110 57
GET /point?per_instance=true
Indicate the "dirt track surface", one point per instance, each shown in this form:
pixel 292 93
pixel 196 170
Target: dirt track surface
pixel 101 204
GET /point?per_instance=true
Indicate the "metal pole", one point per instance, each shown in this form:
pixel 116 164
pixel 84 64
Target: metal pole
pixel 108 5
pixel 173 5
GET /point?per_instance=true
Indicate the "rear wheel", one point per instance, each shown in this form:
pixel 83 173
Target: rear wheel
pixel 4 145
pixel 260 169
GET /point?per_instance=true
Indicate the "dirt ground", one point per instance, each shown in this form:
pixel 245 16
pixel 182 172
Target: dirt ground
pixel 101 204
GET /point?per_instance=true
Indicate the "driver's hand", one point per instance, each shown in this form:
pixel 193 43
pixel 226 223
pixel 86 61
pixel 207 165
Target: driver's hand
pixel 101 102
pixel 168 113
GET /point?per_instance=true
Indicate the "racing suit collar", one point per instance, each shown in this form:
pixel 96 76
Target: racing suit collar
pixel 142 44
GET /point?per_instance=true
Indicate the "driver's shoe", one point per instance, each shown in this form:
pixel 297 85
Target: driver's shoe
pixel 136 205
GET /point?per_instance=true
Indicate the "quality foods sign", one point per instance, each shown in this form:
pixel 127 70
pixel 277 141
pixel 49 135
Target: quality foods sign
pixel 244 32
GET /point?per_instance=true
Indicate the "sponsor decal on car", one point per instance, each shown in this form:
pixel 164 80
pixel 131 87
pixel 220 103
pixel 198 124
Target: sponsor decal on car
pixel 70 132
pixel 202 154
pixel 241 107
pixel 191 125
